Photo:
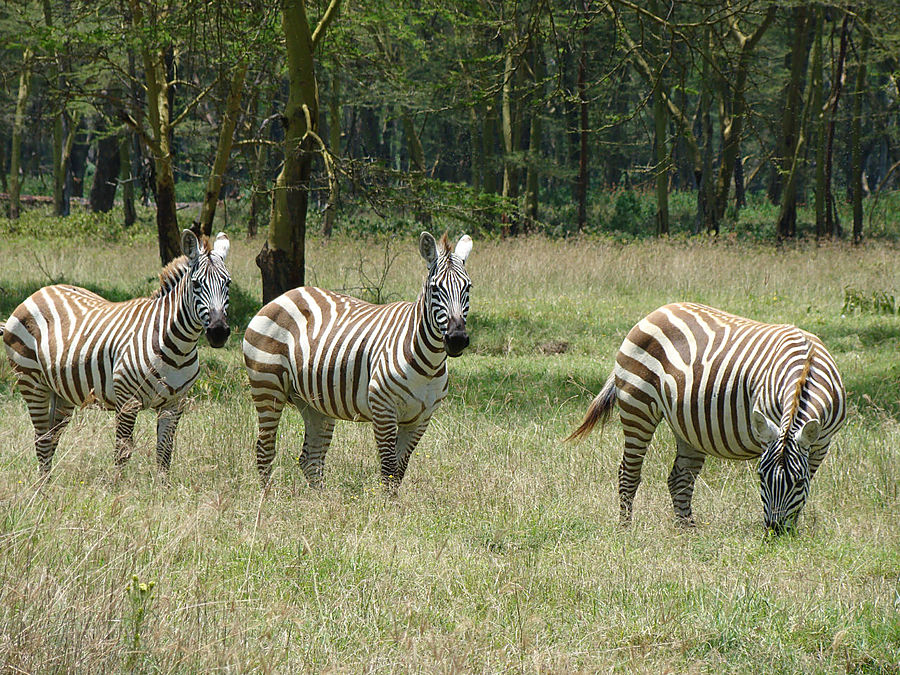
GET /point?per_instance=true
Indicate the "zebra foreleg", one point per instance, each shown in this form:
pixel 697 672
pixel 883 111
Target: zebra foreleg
pixel 815 459
pixel 688 463
pixel 268 411
pixel 317 431
pixel 166 423
pixel 385 426
pixel 407 439
pixel 126 415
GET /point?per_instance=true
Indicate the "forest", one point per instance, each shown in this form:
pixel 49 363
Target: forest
pixel 513 117
pixel 606 157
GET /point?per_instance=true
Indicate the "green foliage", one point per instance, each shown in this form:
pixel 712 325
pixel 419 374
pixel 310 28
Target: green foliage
pixel 875 302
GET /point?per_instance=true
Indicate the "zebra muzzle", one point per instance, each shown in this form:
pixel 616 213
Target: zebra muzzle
pixel 456 339
pixel 218 330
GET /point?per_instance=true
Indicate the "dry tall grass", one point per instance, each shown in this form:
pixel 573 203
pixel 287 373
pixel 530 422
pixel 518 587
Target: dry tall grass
pixel 502 553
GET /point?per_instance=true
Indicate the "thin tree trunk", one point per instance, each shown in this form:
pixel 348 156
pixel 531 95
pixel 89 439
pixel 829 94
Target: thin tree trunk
pixel 532 177
pixel 508 124
pixel 660 128
pixel 733 124
pixel 223 149
pixel 15 155
pixel 334 146
pixel 488 140
pixel 818 119
pixel 581 184
pixel 705 218
pixel 103 189
pixel 783 186
pixel 856 175
pixel 660 120
pixel 126 179
pixel 832 224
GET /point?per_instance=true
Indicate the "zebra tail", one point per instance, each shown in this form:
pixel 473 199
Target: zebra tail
pixel 598 411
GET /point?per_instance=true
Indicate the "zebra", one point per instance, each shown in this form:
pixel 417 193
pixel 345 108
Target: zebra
pixel 336 357
pixel 70 348
pixel 729 387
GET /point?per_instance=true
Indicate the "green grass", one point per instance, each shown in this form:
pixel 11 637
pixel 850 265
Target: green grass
pixel 502 553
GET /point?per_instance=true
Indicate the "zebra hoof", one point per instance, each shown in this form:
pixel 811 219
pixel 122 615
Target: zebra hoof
pixel 685 522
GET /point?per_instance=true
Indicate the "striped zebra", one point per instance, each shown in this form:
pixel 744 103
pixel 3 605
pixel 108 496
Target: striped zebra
pixel 336 357
pixel 729 387
pixel 69 348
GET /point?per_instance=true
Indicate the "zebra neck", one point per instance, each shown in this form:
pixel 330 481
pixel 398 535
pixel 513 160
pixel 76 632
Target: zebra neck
pixel 177 329
pixel 427 342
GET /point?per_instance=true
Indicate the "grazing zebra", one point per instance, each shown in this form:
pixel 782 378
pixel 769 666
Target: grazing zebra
pixel 70 347
pixel 728 387
pixel 336 357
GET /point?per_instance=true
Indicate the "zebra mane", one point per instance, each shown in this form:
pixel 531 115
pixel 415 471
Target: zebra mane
pixel 172 273
pixel 444 243
pixel 801 382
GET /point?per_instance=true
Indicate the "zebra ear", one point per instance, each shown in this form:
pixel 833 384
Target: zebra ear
pixel 221 245
pixel 427 247
pixel 809 434
pixel 189 245
pixel 764 429
pixel 463 247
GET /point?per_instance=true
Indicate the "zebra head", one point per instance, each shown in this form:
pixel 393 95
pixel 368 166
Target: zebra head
pixel 447 289
pixel 207 288
pixel 783 469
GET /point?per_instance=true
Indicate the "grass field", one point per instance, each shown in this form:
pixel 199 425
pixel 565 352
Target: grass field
pixel 502 553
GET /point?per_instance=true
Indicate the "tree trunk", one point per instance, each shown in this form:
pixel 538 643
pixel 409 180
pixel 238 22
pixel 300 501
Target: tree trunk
pixel 818 120
pixel 223 149
pixel 282 259
pixel 103 189
pixel 832 224
pixel 334 146
pixel 660 123
pixel 126 179
pixel 791 121
pixel 705 218
pixel 735 106
pixel 15 154
pixel 508 127
pixel 783 186
pixel 581 183
pixel 859 90
pixel 488 140
pixel 660 127
pixel 160 93
pixel 535 135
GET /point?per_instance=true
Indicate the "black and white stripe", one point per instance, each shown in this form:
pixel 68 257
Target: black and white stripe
pixel 69 347
pixel 728 387
pixel 337 357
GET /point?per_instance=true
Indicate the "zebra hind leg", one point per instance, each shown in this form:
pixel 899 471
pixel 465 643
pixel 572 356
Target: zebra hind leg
pixel 318 429
pixel 638 434
pixel 688 463
pixel 49 418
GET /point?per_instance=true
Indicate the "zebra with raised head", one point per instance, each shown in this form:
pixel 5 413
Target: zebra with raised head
pixel 729 387
pixel 336 357
pixel 69 347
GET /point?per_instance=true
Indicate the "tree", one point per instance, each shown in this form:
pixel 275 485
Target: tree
pixel 282 259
